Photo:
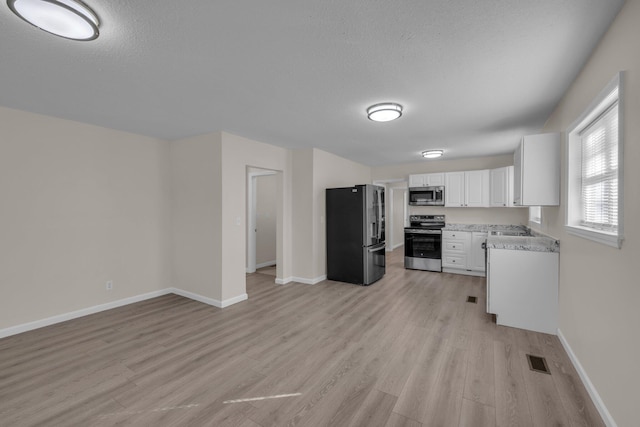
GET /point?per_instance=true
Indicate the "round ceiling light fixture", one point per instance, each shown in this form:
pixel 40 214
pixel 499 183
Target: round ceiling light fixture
pixel 384 112
pixel 432 154
pixel 70 19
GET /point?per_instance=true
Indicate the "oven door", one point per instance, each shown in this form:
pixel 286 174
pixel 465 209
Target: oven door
pixel 423 249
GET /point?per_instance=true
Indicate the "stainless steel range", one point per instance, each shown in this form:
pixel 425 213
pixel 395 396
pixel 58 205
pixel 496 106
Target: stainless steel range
pixel 423 242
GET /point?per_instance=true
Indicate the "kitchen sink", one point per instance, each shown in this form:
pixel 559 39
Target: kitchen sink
pixel 509 233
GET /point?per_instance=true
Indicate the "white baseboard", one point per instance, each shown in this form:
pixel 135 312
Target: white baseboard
pixel 595 397
pixel 13 330
pixel 230 301
pixel 303 280
pixel 310 281
pixel 266 264
pixel 209 301
pixel 261 265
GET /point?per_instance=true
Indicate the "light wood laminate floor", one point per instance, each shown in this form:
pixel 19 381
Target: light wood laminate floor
pixel 405 351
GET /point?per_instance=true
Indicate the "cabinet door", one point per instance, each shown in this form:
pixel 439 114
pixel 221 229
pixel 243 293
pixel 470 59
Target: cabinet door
pixel 477 188
pixel 478 254
pixel 456 249
pixel 501 187
pixel 454 261
pixel 435 179
pixel 454 189
pixel 489 308
pixel 417 180
pixel 517 175
pixel 536 164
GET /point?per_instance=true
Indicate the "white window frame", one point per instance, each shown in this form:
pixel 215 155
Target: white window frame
pixel 573 208
pixel 535 214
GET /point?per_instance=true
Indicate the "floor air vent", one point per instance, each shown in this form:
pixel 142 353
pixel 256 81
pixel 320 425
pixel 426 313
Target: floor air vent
pixel 472 299
pixel 538 364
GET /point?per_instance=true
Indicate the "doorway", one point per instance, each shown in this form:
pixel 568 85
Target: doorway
pixel 262 221
pixel 397 212
pixel 398 217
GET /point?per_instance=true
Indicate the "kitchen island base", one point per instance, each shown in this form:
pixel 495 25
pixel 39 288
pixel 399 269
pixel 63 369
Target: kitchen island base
pixel 522 289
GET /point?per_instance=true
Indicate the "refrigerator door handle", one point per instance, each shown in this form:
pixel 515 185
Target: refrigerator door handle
pixel 379 216
pixel 370 250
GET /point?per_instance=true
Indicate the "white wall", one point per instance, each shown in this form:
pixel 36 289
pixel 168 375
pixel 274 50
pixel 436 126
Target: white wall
pixel 456 215
pixel 239 153
pixel 196 211
pixel 315 171
pixel 517 216
pixel 330 171
pixel 599 285
pixel 80 205
pixel 403 170
pixel 303 213
pixel 209 184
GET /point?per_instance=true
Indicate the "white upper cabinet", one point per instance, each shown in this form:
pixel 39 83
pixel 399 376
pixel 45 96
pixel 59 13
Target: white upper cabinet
pixel 435 179
pixel 477 188
pixel 536 164
pixel 467 189
pixel 426 180
pixel 454 189
pixel 501 187
pixel 416 180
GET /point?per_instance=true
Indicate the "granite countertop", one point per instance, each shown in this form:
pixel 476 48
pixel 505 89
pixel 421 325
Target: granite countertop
pixel 524 243
pixel 537 242
pixel 483 227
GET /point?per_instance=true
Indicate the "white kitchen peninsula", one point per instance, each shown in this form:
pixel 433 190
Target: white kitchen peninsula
pixel 522 282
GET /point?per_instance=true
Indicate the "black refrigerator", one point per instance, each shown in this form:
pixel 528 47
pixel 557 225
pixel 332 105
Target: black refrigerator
pixel 355 234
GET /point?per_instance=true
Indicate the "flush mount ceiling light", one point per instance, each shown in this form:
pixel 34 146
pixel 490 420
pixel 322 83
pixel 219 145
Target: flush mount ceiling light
pixel 432 154
pixel 70 19
pixel 384 112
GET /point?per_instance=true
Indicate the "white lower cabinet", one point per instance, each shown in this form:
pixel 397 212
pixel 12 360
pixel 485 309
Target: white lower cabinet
pixel 478 252
pixel 463 252
pixel 522 289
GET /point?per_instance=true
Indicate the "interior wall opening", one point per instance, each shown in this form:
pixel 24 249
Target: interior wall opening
pixel 263 196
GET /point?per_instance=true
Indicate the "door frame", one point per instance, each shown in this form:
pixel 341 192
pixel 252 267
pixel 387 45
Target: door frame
pixel 388 201
pixel 252 192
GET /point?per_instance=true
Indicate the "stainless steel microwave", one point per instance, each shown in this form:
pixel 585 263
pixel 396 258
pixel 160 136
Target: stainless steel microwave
pixel 426 196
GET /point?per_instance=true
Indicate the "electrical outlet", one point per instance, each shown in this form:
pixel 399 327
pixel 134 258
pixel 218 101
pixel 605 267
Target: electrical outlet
pixel 109 285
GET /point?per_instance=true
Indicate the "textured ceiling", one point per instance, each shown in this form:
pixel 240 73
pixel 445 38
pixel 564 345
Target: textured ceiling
pixel 473 75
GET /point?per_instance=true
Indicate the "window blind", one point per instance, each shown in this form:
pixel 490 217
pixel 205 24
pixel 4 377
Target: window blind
pixel 599 144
